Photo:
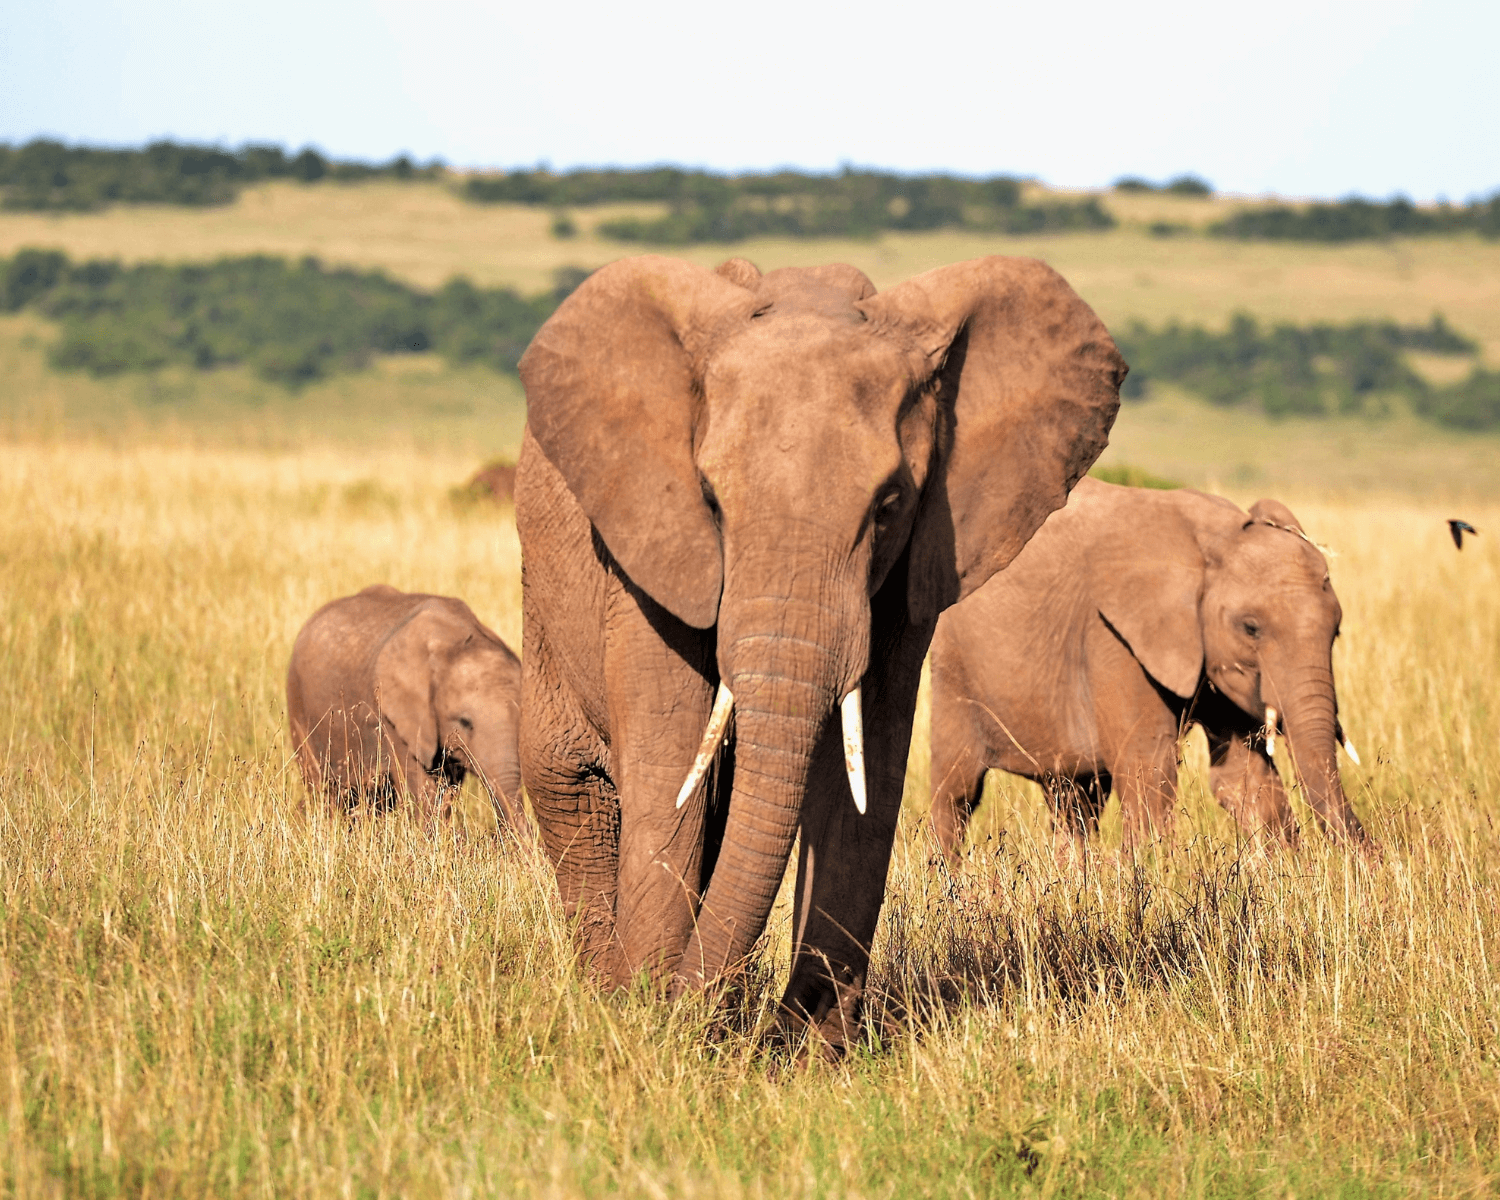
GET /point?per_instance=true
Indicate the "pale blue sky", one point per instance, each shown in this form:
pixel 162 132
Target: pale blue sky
pixel 1293 96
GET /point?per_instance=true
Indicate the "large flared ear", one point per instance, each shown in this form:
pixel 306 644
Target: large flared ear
pixel 612 399
pixel 403 682
pixel 1028 383
pixel 1146 571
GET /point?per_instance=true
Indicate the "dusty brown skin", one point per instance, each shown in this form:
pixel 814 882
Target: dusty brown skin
pixel 775 482
pixel 1131 615
pixel 393 694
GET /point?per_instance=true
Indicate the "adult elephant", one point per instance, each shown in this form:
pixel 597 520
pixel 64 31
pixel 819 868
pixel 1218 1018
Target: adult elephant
pixel 1129 616
pixel 755 494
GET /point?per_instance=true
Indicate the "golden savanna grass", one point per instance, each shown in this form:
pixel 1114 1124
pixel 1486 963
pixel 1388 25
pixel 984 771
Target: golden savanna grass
pixel 206 988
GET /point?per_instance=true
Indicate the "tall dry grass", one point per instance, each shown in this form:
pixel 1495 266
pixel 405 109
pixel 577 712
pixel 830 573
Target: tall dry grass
pixel 206 989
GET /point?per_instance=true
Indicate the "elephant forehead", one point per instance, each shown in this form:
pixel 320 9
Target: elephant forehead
pixel 787 361
pixel 1269 554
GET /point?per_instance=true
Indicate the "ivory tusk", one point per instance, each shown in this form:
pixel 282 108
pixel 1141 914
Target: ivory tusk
pixel 1271 719
pixel 1349 750
pixel 854 746
pixel 713 738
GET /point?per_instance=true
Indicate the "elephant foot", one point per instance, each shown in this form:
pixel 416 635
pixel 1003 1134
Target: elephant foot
pixel 819 1015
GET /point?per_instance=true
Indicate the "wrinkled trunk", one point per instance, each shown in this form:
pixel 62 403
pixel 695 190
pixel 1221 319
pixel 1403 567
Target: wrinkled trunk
pixel 500 772
pixel 1310 714
pixel 787 659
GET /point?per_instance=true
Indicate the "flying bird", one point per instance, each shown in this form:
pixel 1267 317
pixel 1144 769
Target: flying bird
pixel 1458 528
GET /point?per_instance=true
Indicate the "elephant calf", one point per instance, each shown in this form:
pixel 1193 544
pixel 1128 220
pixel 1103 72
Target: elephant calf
pixel 1129 616
pixel 391 692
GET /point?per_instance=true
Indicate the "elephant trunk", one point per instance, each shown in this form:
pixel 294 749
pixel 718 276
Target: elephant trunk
pixel 1310 715
pixel 499 769
pixel 788 661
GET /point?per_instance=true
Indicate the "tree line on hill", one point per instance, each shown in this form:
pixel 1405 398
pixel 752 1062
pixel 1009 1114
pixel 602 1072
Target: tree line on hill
pixel 1357 219
pixel 291 323
pixel 1311 370
pixel 1182 185
pixel 48 175
pixel 704 206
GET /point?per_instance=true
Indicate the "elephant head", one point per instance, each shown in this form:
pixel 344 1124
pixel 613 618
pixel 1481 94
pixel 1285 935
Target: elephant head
pixel 448 692
pixel 784 459
pixel 1203 592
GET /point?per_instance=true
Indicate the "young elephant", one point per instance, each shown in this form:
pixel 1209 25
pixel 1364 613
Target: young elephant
pixel 1129 616
pixel 390 692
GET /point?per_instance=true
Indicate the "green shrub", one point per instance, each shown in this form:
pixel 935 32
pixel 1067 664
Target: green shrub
pixel 1182 185
pixel 1310 370
pixel 1188 185
pixel 291 323
pixel 1357 219
pixel 46 174
pixel 30 274
pixel 1472 404
pixel 707 207
pixel 1128 476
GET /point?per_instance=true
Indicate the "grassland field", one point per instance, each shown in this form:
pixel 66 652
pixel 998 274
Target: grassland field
pixel 208 988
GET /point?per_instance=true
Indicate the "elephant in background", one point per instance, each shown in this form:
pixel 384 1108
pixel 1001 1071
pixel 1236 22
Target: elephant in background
pixel 393 693
pixel 743 500
pixel 1131 615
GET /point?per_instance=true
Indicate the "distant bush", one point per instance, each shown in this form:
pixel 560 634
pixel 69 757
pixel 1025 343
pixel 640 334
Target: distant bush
pixel 1127 476
pixel 1357 219
pixel 1182 185
pixel 1308 370
pixel 1189 185
pixel 1472 404
pixel 48 175
pixel 291 323
pixel 708 207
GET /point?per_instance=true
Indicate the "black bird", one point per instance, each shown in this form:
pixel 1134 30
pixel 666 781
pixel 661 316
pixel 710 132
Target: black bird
pixel 1458 528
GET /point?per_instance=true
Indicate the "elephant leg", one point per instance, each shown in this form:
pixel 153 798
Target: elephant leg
pixel 410 780
pixel 564 770
pixel 428 797
pixel 1246 784
pixel 1076 806
pixel 957 784
pixel 1147 782
pixel 844 854
pixel 660 683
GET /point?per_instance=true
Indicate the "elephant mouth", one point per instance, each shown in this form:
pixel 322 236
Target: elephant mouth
pixel 851 718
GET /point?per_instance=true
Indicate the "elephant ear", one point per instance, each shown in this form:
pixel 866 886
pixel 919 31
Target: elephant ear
pixel 1028 382
pixel 403 682
pixel 741 271
pixel 612 399
pixel 1147 571
pixel 1274 512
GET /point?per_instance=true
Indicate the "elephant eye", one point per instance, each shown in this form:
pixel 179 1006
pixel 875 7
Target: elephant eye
pixel 1251 626
pixel 886 505
pixel 710 498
